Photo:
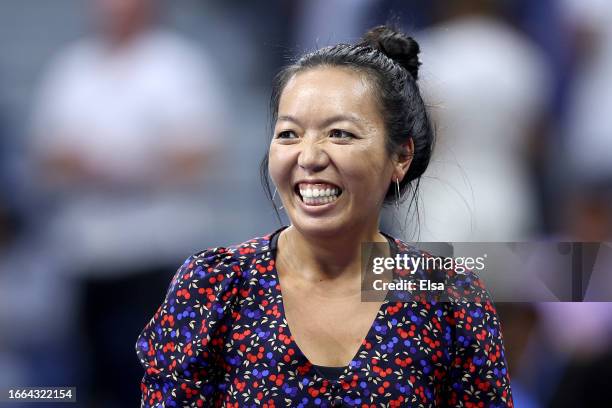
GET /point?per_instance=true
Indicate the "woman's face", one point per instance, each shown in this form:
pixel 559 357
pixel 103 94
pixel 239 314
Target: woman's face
pixel 327 157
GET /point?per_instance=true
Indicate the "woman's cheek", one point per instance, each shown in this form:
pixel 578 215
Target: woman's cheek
pixel 367 179
pixel 276 166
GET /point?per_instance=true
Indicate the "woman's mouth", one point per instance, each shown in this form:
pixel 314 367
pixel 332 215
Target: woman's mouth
pixel 317 193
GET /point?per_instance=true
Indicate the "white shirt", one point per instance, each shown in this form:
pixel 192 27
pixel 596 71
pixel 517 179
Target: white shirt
pixel 484 84
pixel 120 111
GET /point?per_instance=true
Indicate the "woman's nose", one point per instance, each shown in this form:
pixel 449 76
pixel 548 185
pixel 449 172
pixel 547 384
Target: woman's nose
pixel 312 157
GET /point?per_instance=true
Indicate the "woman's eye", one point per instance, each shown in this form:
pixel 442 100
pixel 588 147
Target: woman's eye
pixel 286 134
pixel 343 134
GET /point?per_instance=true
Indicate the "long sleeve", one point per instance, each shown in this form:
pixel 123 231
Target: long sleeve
pixel 179 346
pixel 478 375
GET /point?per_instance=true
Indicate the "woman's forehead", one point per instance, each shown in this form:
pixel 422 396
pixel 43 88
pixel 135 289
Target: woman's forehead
pixel 329 91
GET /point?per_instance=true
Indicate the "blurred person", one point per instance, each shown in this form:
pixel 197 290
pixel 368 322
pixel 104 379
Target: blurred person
pixel 125 127
pixel 579 335
pixel 351 134
pixel 544 23
pixel 589 125
pixel 585 345
pixel 487 86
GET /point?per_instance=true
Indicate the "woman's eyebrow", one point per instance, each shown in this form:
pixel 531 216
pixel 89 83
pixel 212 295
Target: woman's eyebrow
pixel 328 121
pixel 341 118
pixel 288 118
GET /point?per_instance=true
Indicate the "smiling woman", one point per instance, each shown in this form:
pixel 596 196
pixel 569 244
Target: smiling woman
pixel 279 320
pixel 330 134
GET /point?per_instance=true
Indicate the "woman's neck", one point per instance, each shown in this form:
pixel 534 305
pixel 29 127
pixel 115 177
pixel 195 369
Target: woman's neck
pixel 321 258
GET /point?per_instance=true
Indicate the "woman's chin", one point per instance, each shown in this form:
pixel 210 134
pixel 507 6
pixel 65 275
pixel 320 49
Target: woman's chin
pixel 332 225
pixel 318 227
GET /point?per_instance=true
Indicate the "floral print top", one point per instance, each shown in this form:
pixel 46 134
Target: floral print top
pixel 220 338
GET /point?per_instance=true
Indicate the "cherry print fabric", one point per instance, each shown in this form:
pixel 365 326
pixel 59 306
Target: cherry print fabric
pixel 220 338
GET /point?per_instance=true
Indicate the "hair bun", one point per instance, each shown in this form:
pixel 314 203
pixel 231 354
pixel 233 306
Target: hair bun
pixel 395 45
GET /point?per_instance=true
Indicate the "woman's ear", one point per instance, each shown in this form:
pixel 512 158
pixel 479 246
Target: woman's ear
pixel 403 160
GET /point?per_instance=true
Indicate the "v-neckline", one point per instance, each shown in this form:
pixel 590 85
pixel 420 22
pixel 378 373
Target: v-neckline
pixel 380 315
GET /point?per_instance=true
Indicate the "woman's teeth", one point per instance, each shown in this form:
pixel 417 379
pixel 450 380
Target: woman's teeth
pixel 319 196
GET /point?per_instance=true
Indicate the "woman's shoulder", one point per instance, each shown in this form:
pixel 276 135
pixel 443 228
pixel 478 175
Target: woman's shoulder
pixel 222 263
pixel 234 253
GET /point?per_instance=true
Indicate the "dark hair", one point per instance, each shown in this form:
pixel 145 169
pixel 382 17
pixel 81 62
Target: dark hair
pixel 389 58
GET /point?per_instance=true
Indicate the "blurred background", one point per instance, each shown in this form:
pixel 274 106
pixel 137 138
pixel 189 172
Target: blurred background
pixel 131 133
